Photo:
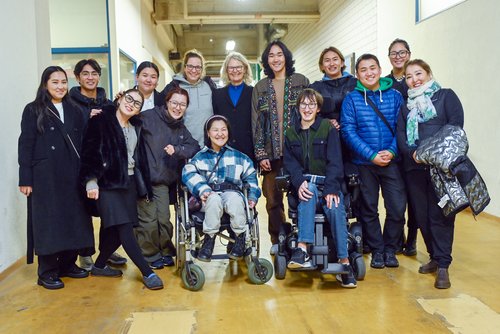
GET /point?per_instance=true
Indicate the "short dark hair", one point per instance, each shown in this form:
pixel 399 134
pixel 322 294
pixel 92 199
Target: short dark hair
pixel 366 56
pixel 209 123
pixel 81 64
pixel 332 49
pixel 396 41
pixel 147 64
pixel 177 90
pixel 311 94
pixel 288 59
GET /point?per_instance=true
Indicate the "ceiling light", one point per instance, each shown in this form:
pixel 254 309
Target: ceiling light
pixel 230 45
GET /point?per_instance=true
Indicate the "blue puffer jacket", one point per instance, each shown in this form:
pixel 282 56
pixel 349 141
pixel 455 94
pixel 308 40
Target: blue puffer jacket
pixel 362 129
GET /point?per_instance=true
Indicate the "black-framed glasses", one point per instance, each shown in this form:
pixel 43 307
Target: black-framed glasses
pixel 176 104
pixel 135 103
pixel 197 68
pixel 311 105
pixel 400 54
pixel 234 68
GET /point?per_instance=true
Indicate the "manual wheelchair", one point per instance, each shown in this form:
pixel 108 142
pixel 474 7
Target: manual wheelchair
pixel 189 238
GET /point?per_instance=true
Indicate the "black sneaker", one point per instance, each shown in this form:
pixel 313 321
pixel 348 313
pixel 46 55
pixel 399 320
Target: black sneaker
pixel 390 260
pixel 238 249
pixel 377 261
pixel 299 259
pixel 168 261
pixel 107 271
pixel 116 259
pixel 347 280
pixel 158 264
pixel 153 282
pixel 206 250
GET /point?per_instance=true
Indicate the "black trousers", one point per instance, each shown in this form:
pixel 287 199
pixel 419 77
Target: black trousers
pixel 388 178
pixel 437 230
pixel 54 264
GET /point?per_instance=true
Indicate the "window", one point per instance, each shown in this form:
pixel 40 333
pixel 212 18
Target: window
pixel 127 71
pixel 68 57
pixel 428 8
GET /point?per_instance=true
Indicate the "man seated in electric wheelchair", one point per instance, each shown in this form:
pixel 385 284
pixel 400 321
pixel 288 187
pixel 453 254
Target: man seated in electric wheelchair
pixel 219 176
pixel 313 158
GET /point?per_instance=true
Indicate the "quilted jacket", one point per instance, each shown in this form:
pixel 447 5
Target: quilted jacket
pixel 362 129
pixel 455 178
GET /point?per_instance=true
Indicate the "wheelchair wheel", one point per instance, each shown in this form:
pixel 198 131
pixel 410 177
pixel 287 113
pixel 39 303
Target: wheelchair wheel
pixel 195 280
pixel 279 266
pixel 265 274
pixel 359 268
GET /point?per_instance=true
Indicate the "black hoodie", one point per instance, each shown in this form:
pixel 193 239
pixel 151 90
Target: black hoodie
pixel 88 103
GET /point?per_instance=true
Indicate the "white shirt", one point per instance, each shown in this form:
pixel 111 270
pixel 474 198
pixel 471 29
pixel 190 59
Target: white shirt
pixel 149 103
pixel 60 110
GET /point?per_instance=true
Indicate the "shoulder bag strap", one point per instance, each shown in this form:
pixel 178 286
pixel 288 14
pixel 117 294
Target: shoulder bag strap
pixel 382 117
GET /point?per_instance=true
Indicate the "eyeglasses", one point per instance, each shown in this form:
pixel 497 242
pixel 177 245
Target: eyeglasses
pixel 87 74
pixel 193 67
pixel 400 54
pixel 176 104
pixel 135 103
pixel 234 68
pixel 311 105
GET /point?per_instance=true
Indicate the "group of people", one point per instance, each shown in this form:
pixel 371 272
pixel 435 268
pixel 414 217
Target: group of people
pixel 82 154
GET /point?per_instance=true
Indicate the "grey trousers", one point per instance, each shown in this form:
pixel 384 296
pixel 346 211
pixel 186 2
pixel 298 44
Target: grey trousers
pixel 217 203
pixel 154 233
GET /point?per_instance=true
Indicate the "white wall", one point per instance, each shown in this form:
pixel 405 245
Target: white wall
pixel 26 54
pixel 350 26
pixel 461 46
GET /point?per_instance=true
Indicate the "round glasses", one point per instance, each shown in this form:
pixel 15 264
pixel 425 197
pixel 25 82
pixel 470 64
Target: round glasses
pixel 400 54
pixel 135 103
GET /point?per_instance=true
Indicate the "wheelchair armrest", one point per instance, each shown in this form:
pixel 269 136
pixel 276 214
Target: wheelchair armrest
pixel 283 182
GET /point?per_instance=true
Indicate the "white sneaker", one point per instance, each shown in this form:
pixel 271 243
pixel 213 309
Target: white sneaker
pixel 274 249
pixel 86 262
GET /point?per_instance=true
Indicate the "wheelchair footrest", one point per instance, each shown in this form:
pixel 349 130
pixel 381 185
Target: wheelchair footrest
pixel 311 268
pixel 319 250
pixel 334 268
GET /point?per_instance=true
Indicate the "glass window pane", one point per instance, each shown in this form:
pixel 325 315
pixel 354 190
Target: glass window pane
pixel 428 8
pixel 68 61
pixel 127 72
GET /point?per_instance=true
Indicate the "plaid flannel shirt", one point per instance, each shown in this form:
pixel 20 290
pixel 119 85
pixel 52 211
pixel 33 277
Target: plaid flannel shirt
pixel 234 167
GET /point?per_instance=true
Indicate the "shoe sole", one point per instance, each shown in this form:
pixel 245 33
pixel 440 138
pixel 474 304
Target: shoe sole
pixel 83 275
pixel 117 263
pixel 49 287
pixel 377 266
pixel 427 271
pixel 203 259
pixel 155 287
pixel 392 265
pixel 111 276
pixel 295 265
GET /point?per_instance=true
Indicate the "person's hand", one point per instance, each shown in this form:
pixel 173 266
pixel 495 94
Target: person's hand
pixel 335 123
pixel 94 112
pixel 386 155
pixel 265 165
pixel 204 196
pixel 330 199
pixel 251 204
pixel 383 158
pixel 26 190
pixel 119 94
pixel 304 193
pixel 415 158
pixel 169 149
pixel 93 194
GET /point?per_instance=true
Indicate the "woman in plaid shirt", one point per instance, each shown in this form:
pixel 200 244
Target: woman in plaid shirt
pixel 216 175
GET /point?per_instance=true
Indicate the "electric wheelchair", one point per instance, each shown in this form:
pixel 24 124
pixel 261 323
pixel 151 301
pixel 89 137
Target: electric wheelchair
pixel 323 250
pixel 189 238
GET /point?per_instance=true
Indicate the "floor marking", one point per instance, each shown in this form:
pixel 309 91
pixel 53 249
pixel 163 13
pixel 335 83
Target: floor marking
pixel 179 322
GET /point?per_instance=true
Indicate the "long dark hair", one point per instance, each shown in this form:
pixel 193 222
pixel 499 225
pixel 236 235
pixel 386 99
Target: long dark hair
pixel 208 124
pixel 43 99
pixel 288 59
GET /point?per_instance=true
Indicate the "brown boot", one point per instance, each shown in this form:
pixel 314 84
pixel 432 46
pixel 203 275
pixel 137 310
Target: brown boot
pixel 428 268
pixel 442 279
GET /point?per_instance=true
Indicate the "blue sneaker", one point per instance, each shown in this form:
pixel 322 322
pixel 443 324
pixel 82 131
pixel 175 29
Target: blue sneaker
pixel 158 264
pixel 168 261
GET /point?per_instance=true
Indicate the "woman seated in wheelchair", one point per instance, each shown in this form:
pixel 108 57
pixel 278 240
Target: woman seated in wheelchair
pixel 313 157
pixel 217 175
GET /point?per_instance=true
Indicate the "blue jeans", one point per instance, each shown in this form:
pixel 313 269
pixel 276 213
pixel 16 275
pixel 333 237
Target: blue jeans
pixel 336 216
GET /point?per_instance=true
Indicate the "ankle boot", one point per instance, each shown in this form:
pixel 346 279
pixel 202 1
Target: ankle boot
pixel 207 248
pixel 238 249
pixel 428 268
pixel 442 279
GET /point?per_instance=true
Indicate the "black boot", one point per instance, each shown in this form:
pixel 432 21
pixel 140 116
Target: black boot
pixel 442 279
pixel 207 248
pixel 238 249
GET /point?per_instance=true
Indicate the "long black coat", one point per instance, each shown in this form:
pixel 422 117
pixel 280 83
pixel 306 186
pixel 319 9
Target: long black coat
pixel 57 218
pixel 239 116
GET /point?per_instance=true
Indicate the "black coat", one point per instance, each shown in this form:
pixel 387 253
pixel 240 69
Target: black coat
pixel 57 218
pixel 400 86
pixel 333 92
pixel 87 103
pixel 104 154
pixel 160 130
pixel 239 116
